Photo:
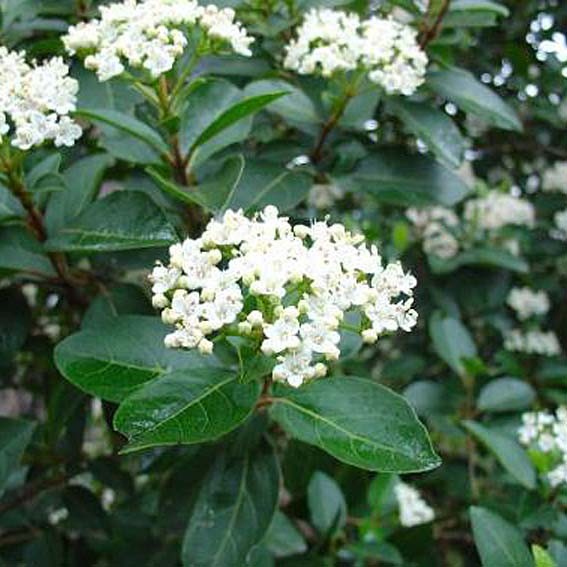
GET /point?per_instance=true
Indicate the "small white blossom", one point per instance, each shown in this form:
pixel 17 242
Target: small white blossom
pixel 555 178
pixel 496 210
pixel 547 433
pixel 528 303
pixel 560 230
pixel 533 341
pixel 413 509
pixel 151 35
pixel 436 225
pixel 35 101
pixel 331 41
pixel 298 283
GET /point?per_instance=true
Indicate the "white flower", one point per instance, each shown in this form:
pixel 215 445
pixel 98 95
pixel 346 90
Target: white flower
pixel 436 225
pixel 496 210
pixel 560 231
pixel 547 433
pixel 285 288
pixel 555 178
pixel 324 195
pixel 151 35
pixel 533 341
pixel 330 41
pixel 35 101
pixel 413 509
pixel 528 303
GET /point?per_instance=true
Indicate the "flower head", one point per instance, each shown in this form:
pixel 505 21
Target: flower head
pixel 414 510
pixel 35 101
pixel 151 35
pixel 287 288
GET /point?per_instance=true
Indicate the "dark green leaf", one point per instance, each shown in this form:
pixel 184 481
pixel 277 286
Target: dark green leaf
pixel 487 257
pixel 396 177
pixel 15 321
pixel 462 88
pixel 15 434
pixel 19 251
pixel 498 542
pixel 326 504
pixel 508 452
pixel 506 394
pixel 358 422
pixel 123 220
pixel 184 407
pixel 113 359
pixel 451 340
pixel 127 124
pixel 10 207
pixel 433 127
pixel 283 538
pixel 233 511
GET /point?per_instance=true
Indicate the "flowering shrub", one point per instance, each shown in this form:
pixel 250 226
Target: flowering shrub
pixel 283 283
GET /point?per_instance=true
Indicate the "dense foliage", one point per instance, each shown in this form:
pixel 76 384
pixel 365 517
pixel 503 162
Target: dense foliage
pixel 282 283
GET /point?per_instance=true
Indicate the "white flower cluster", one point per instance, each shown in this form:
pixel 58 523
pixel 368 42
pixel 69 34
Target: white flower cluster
pixel 286 288
pixel 150 34
pixel 330 41
pixel 528 303
pixel 436 226
pixel 547 433
pixel 534 341
pixel 496 210
pixel 35 101
pixel 555 178
pixel 560 230
pixel 324 195
pixel 414 510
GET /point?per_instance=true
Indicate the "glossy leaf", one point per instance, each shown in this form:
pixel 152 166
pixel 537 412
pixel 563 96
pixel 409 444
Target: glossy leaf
pixel 508 452
pixel 283 538
pixel 393 176
pixel 123 220
pixel 111 360
pixel 185 406
pixel 127 124
pixel 15 322
pixel 433 127
pixel 20 251
pixel 358 422
pixel 233 511
pixel 462 88
pixel 484 257
pixel 498 542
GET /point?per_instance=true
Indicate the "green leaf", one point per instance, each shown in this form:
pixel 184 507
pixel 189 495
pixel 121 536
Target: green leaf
pixel 236 112
pixel 296 107
pixel 462 88
pixel 15 321
pixel 433 127
pixel 122 299
pixel 113 359
pixel 498 542
pixel 214 193
pixel 486 257
pixel 233 512
pixel 508 452
pixel 479 5
pixel 127 124
pixel 46 168
pixel 506 394
pixel 393 176
pixel 123 220
pixel 283 538
pixel 263 183
pixel 542 557
pixel 187 406
pixel 327 504
pixel 82 180
pixel 451 340
pixel 15 434
pixel 20 252
pixel 357 421
pixel 10 207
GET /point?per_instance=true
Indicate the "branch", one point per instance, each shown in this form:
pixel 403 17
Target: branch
pixel 431 33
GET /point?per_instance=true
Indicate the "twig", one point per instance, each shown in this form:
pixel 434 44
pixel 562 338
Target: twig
pixel 430 33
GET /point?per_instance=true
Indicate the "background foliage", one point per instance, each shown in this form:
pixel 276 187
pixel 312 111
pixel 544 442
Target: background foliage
pixel 492 113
